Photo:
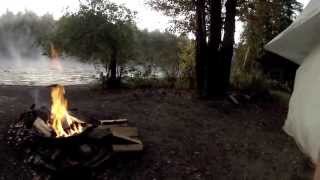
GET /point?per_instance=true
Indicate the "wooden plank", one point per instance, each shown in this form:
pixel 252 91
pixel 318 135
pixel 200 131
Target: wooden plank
pixel 103 131
pixel 115 121
pixel 126 138
pixel 100 132
pixel 127 147
pixel 125 131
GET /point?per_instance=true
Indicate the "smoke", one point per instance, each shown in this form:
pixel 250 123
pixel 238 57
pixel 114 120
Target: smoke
pixel 20 35
pixel 22 61
pixel 41 97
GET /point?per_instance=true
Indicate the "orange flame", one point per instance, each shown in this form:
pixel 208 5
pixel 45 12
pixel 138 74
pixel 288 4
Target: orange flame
pixel 55 60
pixel 62 122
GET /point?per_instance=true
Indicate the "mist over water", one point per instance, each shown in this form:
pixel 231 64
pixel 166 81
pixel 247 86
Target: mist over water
pixel 22 45
pixel 21 59
pixel 43 71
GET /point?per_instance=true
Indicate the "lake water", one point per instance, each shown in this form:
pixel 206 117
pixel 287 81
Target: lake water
pixel 46 72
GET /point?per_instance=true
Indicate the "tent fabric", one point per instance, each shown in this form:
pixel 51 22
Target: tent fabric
pixel 301 44
pixel 299 39
pixel 303 119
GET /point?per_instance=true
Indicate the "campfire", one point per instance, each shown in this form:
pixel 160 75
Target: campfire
pixel 60 123
pixel 54 138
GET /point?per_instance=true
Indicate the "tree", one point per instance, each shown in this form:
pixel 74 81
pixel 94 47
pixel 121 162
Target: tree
pixel 158 51
pixel 263 20
pixel 100 30
pixel 227 44
pixel 213 58
pixel 20 34
pixel 183 13
pixel 215 35
pixel 201 48
pixel 187 62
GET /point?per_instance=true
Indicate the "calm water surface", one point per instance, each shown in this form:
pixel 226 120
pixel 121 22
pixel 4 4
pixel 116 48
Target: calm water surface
pixel 45 72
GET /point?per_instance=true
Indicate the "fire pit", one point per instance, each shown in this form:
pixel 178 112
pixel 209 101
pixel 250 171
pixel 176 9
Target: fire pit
pixel 55 140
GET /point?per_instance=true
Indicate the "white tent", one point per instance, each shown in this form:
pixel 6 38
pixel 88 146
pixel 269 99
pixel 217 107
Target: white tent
pixel 297 41
pixel 300 43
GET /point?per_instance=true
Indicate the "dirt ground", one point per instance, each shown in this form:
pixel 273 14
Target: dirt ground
pixel 184 137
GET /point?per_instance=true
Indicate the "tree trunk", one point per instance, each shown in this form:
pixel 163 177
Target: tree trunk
pixel 113 65
pixel 201 46
pixel 112 79
pixel 214 61
pixel 215 8
pixel 228 43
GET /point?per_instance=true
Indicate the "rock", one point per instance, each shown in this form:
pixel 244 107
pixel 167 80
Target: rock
pixel 29 160
pixel 18 125
pixel 55 154
pixel 85 149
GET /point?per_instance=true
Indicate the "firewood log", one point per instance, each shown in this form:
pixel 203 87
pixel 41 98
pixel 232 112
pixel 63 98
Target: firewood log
pixel 42 127
pixel 115 121
pixel 127 147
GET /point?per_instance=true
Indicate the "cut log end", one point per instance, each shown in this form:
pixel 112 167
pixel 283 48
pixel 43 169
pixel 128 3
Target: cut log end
pixel 42 127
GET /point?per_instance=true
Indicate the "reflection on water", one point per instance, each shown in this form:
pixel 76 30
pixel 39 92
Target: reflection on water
pixel 43 72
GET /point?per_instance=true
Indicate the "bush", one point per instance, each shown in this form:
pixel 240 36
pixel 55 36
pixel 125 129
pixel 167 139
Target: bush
pixel 249 80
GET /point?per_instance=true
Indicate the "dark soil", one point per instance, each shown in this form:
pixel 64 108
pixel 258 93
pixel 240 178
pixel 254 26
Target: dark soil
pixel 184 137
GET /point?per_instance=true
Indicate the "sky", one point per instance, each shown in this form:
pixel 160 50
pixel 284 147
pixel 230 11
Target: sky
pixel 146 17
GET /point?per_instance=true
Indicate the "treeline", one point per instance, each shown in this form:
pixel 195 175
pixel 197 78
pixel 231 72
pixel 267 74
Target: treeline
pixel 255 67
pixel 100 32
pixel 219 60
pixel 20 34
pixel 105 32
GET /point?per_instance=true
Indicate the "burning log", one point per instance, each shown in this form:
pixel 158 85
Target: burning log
pixel 42 127
pixel 90 149
pixel 60 119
